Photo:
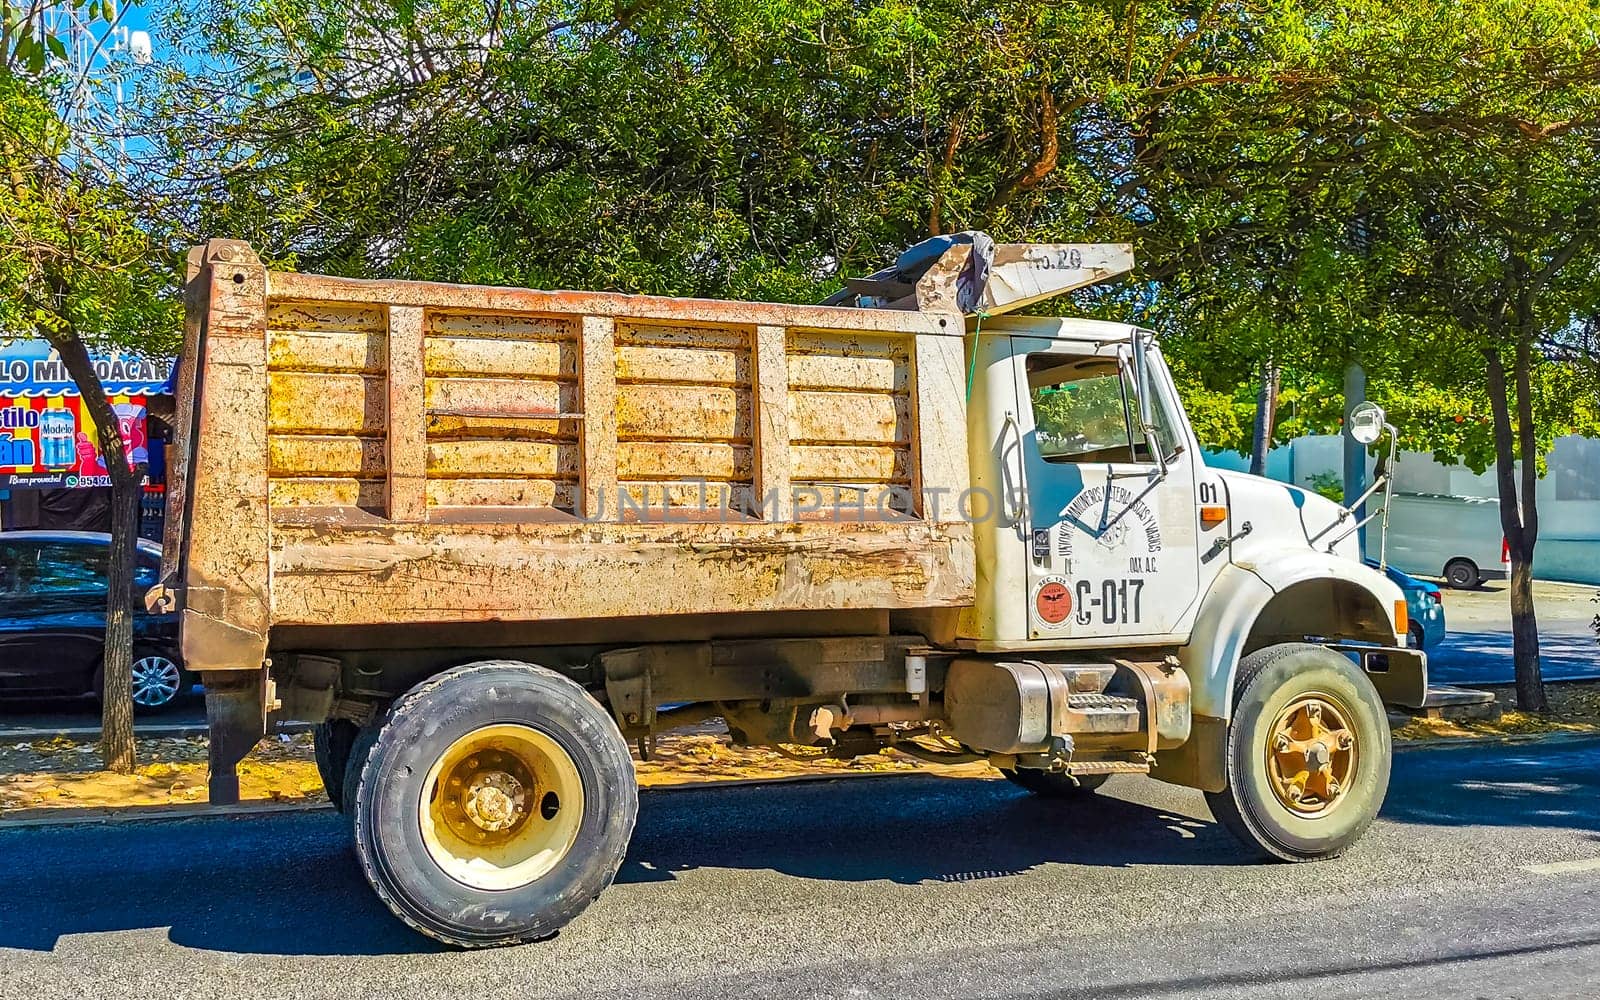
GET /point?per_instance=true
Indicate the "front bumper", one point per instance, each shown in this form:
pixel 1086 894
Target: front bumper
pixel 1400 675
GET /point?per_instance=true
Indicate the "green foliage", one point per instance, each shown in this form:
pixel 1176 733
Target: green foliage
pixel 75 256
pixel 1330 485
pixel 1301 182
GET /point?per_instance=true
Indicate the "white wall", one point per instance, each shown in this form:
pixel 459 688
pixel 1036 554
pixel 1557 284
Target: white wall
pixel 1568 494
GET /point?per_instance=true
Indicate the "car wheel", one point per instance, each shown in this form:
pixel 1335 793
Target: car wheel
pixel 1462 574
pixel 1307 756
pixel 1050 785
pixel 158 680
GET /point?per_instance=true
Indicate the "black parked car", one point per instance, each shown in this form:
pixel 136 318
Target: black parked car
pixel 53 619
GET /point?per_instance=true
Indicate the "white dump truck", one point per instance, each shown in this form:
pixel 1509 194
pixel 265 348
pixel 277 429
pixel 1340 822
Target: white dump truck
pixel 488 538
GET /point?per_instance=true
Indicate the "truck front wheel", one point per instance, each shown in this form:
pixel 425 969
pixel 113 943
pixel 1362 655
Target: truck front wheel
pixel 1308 754
pixel 495 805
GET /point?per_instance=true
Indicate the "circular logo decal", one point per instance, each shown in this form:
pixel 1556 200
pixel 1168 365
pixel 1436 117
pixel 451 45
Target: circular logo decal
pixel 1053 600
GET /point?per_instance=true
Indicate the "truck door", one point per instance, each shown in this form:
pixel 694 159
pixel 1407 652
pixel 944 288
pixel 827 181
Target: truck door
pixel 1111 536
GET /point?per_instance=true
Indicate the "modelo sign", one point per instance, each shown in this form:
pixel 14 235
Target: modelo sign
pixel 51 442
pixel 47 438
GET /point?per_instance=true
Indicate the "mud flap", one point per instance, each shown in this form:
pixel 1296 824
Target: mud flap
pixel 236 702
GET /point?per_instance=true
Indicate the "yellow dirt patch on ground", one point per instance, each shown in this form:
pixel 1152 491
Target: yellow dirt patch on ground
pixel 1509 724
pixel 60 774
pixel 156 784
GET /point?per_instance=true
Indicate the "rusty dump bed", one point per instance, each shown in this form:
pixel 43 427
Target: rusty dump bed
pixel 360 453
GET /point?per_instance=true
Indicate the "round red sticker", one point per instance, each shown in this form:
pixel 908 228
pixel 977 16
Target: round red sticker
pixel 1053 600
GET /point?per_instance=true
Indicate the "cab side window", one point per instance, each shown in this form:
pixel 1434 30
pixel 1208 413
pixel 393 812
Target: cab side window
pixel 1081 409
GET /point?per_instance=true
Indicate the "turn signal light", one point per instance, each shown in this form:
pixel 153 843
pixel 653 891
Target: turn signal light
pixel 1402 622
pixel 1213 514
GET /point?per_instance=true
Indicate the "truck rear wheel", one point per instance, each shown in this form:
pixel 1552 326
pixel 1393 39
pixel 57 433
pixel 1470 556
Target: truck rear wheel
pixel 1050 785
pixel 1308 754
pixel 331 742
pixel 495 805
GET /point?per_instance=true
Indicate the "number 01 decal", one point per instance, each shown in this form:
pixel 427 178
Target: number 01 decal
pixel 1113 602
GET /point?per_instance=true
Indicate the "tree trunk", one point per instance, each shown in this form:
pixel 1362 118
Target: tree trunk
pixel 1518 516
pixel 1266 417
pixel 117 748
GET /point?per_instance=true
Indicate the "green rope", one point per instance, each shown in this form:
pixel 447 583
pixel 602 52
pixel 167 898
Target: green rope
pixel 972 368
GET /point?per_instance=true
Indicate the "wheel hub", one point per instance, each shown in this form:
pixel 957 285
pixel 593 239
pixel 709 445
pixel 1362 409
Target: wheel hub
pixel 1311 755
pixel 501 807
pixel 155 681
pixel 495 801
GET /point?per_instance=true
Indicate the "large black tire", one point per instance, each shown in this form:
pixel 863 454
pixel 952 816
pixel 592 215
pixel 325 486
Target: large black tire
pixel 1462 574
pixel 331 742
pixel 1270 681
pixel 1050 785
pixel 426 730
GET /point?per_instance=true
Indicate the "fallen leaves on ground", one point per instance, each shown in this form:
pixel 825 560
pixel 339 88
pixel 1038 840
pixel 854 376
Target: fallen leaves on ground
pixel 1574 708
pixel 60 773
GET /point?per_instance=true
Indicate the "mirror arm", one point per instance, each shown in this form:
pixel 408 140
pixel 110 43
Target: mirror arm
pixel 1388 497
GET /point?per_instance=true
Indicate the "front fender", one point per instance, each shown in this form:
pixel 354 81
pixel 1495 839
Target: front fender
pixel 1217 640
pixel 1280 570
pixel 1243 590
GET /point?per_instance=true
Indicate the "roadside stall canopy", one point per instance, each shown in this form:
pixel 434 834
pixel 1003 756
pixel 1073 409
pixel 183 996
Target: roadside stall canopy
pixel 47 439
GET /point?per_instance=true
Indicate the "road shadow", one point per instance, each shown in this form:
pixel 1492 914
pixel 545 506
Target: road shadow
pixel 910 830
pixel 282 884
pixel 1540 784
pixel 1485 657
pixel 290 885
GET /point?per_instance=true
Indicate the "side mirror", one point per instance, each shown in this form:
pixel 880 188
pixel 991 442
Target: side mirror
pixel 1366 422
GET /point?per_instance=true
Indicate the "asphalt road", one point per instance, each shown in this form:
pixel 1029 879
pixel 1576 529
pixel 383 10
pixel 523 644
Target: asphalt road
pixel 913 886
pixel 1477 645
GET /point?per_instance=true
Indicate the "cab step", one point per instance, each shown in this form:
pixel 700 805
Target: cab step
pixel 1084 768
pixel 1446 702
pixel 1102 713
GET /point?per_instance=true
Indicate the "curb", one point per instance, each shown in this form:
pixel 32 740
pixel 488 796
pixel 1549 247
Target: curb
pixel 177 729
pixel 1509 739
pixel 110 816
pixel 1484 685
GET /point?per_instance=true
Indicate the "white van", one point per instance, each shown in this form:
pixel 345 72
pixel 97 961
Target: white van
pixel 1458 538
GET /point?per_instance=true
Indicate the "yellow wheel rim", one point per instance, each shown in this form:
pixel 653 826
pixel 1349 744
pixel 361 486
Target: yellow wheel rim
pixel 1312 754
pixel 501 807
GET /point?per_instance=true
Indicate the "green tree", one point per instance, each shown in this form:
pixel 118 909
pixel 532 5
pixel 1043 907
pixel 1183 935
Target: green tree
pixel 80 269
pixel 1318 184
pixel 1413 188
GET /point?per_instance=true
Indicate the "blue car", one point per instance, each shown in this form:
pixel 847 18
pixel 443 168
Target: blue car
pixel 53 620
pixel 1424 606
